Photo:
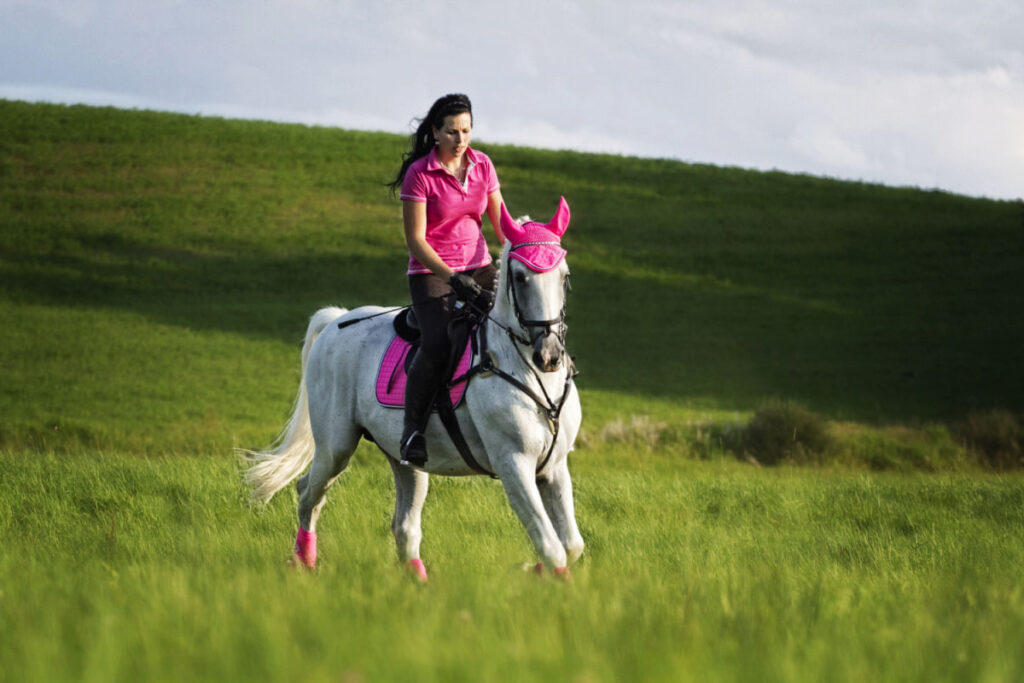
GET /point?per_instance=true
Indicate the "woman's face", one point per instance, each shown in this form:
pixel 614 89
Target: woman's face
pixel 454 134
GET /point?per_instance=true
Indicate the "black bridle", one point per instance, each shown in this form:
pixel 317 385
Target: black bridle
pixel 558 323
pixel 486 366
pixel 552 409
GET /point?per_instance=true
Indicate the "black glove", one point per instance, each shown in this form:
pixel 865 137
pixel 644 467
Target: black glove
pixel 466 288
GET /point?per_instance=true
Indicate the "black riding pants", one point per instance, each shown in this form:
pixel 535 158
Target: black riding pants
pixel 433 301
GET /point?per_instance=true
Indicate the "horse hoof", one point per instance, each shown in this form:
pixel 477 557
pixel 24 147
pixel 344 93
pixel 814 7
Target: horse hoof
pixel 415 565
pixel 299 562
pixel 538 569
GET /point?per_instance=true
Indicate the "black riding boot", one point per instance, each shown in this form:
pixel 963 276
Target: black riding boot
pixel 420 389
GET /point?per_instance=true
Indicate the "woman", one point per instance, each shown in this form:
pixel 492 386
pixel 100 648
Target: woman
pixel 446 187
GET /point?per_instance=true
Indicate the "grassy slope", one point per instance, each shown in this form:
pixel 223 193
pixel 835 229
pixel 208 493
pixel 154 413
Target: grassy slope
pixel 156 272
pixel 188 252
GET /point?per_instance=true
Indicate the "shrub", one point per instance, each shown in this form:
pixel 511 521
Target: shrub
pixel 784 430
pixel 996 437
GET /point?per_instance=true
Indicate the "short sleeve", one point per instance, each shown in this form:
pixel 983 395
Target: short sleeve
pixel 414 185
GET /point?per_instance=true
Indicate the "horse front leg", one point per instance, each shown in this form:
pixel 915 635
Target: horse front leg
pixel 556 492
pixel 519 479
pixel 410 493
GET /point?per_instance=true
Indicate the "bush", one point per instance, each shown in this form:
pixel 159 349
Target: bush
pixel 996 437
pixel 784 430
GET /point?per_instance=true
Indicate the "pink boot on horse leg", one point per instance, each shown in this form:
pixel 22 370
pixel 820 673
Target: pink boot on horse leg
pixel 305 548
pixel 418 569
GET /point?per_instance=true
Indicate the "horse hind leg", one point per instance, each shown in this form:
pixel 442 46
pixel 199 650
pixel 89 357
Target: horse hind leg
pixel 326 468
pixel 410 492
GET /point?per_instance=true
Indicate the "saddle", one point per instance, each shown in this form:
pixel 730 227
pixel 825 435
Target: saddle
pixel 391 376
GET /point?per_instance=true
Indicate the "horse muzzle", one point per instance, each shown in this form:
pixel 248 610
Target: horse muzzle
pixel 547 351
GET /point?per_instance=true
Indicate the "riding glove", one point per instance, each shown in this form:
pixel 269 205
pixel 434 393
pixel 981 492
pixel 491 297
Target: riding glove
pixel 466 288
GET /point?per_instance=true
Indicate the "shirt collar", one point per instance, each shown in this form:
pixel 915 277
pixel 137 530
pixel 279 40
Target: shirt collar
pixel 434 164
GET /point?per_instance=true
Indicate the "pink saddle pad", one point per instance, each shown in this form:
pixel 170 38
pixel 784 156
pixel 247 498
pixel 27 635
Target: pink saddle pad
pixel 391 375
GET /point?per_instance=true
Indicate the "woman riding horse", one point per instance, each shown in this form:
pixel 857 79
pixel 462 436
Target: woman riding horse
pixel 446 187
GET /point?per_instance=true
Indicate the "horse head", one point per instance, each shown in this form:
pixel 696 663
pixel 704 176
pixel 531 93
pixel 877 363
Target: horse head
pixel 536 279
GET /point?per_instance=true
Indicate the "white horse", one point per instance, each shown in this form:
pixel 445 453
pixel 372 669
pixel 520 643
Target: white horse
pixel 519 423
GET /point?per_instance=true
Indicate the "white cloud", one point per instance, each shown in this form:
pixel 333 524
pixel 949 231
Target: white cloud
pixel 929 93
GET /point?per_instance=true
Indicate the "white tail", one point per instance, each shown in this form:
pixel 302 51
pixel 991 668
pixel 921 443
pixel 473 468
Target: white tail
pixel 291 452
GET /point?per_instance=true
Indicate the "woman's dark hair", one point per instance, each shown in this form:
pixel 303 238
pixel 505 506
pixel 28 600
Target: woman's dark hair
pixel 422 141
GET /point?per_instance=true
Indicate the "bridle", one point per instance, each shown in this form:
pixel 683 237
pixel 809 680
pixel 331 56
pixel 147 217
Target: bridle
pixel 487 365
pixel 558 322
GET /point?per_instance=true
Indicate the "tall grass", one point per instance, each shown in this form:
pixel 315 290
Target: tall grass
pixel 122 568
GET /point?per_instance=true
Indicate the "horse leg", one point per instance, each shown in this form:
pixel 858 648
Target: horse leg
pixel 410 493
pixel 518 477
pixel 326 468
pixel 556 492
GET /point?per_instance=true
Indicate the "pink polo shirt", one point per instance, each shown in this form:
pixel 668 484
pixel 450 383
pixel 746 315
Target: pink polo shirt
pixel 454 212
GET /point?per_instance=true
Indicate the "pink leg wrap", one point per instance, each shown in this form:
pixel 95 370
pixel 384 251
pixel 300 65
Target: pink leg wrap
pixel 305 547
pixel 416 566
pixel 560 572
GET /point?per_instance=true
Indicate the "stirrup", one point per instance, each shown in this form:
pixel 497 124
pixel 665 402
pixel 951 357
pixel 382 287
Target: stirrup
pixel 418 456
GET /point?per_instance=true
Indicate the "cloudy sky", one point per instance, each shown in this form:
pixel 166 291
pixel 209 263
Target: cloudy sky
pixel 926 93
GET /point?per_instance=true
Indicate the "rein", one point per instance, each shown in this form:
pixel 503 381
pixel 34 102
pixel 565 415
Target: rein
pixel 552 409
pixel 487 366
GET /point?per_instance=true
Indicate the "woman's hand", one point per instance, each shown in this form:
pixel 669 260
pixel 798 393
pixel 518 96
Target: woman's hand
pixel 468 290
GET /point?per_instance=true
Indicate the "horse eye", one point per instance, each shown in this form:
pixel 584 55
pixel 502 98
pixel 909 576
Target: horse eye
pixel 520 277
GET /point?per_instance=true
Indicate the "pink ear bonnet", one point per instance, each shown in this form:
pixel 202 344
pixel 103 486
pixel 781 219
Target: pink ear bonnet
pixel 537 245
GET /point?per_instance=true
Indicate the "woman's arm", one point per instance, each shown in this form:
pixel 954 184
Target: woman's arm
pixel 494 201
pixel 414 216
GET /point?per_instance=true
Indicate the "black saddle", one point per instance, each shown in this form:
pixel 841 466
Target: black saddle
pixel 406 326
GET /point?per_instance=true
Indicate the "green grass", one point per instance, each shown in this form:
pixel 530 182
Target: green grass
pixel 125 568
pixel 138 245
pixel 156 275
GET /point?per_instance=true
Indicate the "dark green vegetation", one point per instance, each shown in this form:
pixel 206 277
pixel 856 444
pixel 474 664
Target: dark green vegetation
pixel 156 275
pixel 157 271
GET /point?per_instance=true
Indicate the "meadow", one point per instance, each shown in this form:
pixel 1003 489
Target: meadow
pixel 156 274
pixel 128 568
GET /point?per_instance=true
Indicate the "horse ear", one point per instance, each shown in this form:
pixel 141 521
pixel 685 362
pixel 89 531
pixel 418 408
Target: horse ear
pixel 560 222
pixel 511 229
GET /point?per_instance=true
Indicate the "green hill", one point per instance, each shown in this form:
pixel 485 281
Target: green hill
pixel 157 270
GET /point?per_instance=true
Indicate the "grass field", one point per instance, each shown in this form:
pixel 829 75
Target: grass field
pixel 156 275
pixel 123 568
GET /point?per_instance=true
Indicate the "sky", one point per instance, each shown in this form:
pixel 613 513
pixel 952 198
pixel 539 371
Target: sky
pixel 921 93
